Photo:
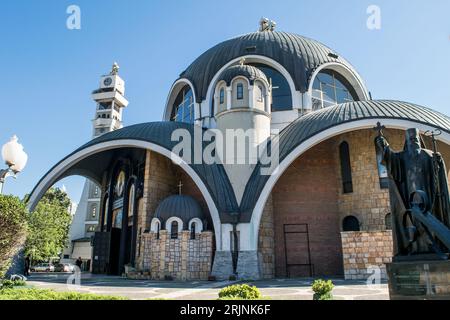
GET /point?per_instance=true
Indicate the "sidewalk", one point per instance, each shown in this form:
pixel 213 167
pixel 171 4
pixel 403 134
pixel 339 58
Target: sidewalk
pixel 276 289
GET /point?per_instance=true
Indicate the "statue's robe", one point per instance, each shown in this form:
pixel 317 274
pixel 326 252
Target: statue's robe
pixel 409 172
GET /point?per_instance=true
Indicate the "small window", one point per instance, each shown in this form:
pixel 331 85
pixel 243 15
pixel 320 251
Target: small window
pixel 173 230
pixel 158 228
pixel 350 223
pixel 94 212
pixel 193 231
pixel 222 96
pixel 346 168
pixel 388 221
pixel 240 91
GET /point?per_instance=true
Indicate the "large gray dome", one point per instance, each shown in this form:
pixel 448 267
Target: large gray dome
pixel 180 206
pixel 300 56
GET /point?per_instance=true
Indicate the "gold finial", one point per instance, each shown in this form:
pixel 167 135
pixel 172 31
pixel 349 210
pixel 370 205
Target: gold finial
pixel 242 61
pixel 180 185
pixel 115 69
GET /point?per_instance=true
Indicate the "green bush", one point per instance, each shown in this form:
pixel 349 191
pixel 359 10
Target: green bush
pixel 5 284
pixel 42 294
pixel 240 292
pixel 322 289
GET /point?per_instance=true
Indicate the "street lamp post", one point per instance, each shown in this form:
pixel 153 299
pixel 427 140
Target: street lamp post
pixel 15 158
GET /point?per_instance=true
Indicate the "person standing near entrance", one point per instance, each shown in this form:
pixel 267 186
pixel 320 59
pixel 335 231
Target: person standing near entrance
pixel 26 271
pixel 79 263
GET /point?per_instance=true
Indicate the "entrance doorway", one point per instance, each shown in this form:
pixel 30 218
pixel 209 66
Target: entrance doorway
pixel 297 251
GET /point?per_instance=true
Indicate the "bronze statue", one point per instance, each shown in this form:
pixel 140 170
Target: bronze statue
pixel 419 197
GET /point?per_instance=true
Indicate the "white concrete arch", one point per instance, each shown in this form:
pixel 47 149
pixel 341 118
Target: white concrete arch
pixel 173 93
pixel 350 74
pixel 155 225
pixel 315 140
pixel 169 222
pixel 296 95
pixel 198 225
pixel 55 174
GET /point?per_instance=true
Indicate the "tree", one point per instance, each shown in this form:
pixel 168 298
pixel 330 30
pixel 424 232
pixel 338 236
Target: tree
pixel 49 226
pixel 13 229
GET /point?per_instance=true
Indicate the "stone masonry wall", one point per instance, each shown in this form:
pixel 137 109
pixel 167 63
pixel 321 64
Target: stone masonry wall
pixel 363 250
pixel 266 245
pixel 368 202
pixel 182 259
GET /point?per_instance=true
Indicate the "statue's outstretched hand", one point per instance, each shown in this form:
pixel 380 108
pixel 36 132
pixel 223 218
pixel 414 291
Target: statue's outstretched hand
pixel 381 142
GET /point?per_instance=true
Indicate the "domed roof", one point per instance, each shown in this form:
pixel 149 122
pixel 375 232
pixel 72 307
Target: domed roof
pixel 249 72
pixel 180 206
pixel 300 56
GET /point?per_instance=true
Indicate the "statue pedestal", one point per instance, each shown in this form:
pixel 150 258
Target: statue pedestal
pixel 419 280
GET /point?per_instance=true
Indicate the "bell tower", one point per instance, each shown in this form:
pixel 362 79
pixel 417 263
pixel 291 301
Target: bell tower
pixel 110 99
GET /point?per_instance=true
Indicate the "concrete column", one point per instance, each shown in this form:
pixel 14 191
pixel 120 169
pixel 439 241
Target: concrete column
pixel 251 97
pixel 267 102
pixel 228 98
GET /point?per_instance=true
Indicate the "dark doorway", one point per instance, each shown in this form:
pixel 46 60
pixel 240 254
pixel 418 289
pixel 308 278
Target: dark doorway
pixel 297 251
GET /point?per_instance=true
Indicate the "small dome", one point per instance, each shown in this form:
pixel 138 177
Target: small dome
pixel 249 72
pixel 180 206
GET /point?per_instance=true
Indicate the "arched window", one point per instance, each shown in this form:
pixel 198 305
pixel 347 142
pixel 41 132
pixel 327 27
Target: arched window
pixel 330 88
pixel 388 221
pixel 350 223
pixel 281 91
pixel 131 196
pixel 183 107
pixel 346 168
pixel 240 91
pixel 222 96
pixel 158 228
pixel 193 231
pixel 174 230
pixel 105 212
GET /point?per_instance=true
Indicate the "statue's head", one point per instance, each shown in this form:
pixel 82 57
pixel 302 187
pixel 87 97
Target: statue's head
pixel 413 139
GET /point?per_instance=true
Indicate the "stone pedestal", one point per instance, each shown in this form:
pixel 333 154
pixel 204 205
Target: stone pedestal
pixel 248 267
pixel 419 280
pixel 223 265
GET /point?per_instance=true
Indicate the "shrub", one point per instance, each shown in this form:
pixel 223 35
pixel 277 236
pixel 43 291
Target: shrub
pixel 6 284
pixel 322 290
pixel 43 294
pixel 13 226
pixel 240 291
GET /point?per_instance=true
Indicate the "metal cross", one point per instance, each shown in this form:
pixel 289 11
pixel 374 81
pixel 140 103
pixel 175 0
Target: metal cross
pixel 179 187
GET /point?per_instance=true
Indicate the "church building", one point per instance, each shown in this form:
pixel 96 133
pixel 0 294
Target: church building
pixel 323 211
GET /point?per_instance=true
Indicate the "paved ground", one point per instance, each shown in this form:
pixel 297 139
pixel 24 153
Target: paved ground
pixel 279 289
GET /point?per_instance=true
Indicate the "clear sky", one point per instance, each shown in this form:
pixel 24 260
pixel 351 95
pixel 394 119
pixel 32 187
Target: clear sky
pixel 49 71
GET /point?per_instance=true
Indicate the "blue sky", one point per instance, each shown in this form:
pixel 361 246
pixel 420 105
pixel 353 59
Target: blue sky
pixel 49 71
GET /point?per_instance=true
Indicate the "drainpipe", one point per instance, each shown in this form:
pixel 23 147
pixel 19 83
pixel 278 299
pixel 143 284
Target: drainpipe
pixel 235 252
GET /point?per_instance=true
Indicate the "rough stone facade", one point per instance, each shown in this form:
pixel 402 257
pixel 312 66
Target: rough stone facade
pixel 180 259
pixel 266 242
pixel 368 202
pixel 366 252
